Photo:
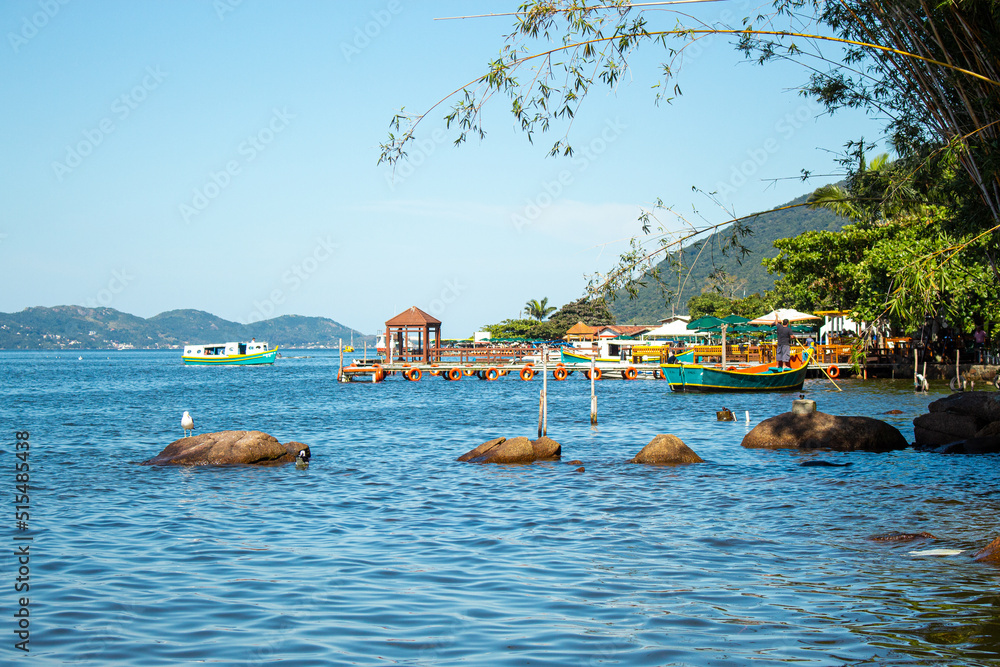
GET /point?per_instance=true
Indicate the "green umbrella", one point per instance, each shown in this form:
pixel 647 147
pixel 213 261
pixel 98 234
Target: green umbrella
pixel 706 322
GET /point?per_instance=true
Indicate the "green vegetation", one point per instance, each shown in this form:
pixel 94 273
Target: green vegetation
pixel 704 267
pixel 539 309
pixel 79 328
pixel 930 217
pixel 593 312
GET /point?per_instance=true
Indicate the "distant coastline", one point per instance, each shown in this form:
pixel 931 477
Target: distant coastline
pixel 83 328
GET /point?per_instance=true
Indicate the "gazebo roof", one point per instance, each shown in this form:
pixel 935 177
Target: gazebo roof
pixel 580 328
pixel 413 316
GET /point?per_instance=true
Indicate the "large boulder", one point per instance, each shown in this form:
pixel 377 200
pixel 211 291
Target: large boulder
pixel 227 448
pixel 666 450
pixel 819 430
pixel 513 450
pixel 939 428
pixel 959 417
pixel 984 406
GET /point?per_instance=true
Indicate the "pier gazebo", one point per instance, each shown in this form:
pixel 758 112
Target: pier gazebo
pixel 412 322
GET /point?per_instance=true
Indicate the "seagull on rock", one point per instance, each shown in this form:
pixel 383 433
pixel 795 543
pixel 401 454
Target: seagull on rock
pixel 187 423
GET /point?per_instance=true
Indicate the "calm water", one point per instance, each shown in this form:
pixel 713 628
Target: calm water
pixel 387 551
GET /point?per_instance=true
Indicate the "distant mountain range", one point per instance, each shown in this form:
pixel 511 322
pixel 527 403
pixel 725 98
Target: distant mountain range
pixel 650 306
pixel 77 327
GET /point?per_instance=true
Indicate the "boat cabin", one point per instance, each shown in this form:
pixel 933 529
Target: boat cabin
pixel 224 349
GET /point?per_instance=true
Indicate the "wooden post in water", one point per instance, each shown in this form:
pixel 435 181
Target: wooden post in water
pixel 341 345
pixel 958 374
pixel 545 391
pixel 593 394
pixel 366 351
pixel 724 345
pixel 916 366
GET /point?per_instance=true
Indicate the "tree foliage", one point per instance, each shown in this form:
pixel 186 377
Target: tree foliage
pixel 930 67
pixel 539 309
pixel 716 305
pixel 592 312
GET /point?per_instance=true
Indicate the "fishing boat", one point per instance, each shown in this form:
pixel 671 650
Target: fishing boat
pixel 229 354
pixel 766 377
pixel 569 355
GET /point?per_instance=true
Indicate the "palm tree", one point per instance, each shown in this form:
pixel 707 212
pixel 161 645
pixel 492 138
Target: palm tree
pixel 539 309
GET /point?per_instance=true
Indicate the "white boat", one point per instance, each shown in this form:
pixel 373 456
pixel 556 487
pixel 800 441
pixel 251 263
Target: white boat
pixel 229 354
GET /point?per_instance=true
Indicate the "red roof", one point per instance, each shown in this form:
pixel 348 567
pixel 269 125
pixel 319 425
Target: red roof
pixel 412 317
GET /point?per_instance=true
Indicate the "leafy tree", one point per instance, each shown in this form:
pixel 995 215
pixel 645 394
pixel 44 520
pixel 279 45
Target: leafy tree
pixel 539 309
pixel 716 305
pixel 710 304
pixel 593 312
pixel 932 69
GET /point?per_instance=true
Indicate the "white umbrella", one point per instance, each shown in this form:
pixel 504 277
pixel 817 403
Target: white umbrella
pixel 789 314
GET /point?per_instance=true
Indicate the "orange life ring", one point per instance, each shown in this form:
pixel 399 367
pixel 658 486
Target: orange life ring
pixel 597 373
pixel 379 373
pixel 559 373
pixel 413 375
pixel 730 368
pixel 492 374
pixel 631 373
pixel 527 373
pixel 833 371
pixel 454 374
pixel 469 372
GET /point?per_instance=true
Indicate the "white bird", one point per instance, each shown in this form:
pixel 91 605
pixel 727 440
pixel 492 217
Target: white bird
pixel 187 423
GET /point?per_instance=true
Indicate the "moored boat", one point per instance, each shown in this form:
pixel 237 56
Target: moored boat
pixel 767 377
pixel 229 354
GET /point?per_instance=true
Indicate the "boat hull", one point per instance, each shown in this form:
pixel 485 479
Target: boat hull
pixel 696 377
pixel 255 359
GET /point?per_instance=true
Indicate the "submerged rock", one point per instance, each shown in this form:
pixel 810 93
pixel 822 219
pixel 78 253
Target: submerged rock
pixel 900 537
pixel 228 448
pixel 819 430
pixel 666 450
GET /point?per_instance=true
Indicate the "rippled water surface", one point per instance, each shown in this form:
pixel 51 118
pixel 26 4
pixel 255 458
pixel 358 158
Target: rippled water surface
pixel 387 551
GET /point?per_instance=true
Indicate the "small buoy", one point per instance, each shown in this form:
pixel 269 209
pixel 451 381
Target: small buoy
pixel 748 416
pixel 79 358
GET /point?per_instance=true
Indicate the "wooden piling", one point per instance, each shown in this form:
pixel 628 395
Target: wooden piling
pixel 593 394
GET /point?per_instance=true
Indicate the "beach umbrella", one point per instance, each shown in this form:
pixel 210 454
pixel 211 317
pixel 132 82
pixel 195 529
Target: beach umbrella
pixel 789 314
pixel 706 322
pixel 735 319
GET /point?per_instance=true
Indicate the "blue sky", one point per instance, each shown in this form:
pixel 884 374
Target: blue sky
pixel 221 155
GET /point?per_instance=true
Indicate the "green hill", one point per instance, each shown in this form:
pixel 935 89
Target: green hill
pixel 750 276
pixel 77 327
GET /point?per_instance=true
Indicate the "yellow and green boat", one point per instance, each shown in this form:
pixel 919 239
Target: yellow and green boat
pixel 229 354
pixel 767 377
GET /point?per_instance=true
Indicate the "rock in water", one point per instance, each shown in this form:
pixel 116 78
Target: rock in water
pixel 501 450
pixel 666 450
pixel 990 553
pixel 514 450
pixel 829 464
pixel 227 448
pixel 546 448
pixel 900 537
pixel 818 430
pixel 481 449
